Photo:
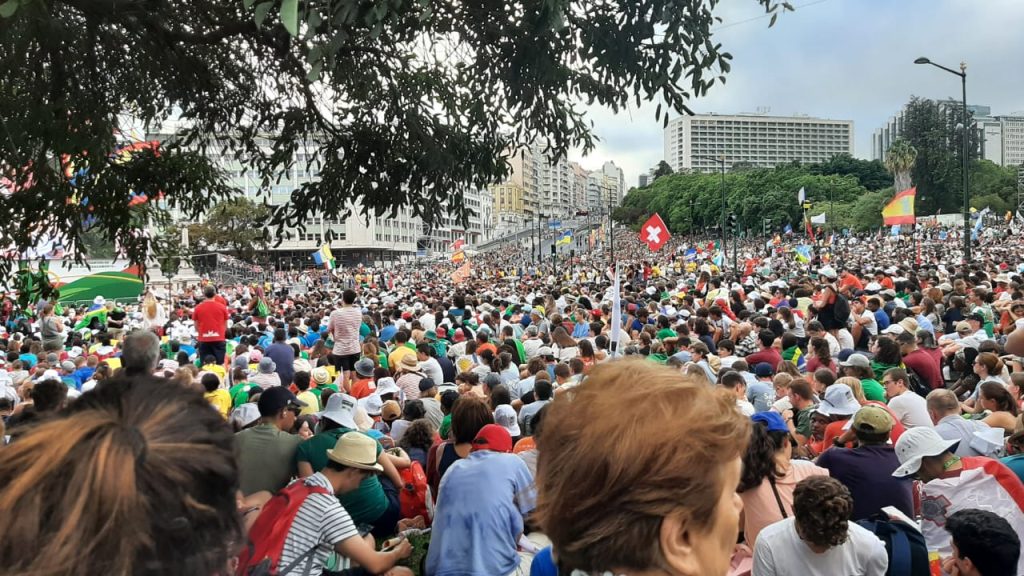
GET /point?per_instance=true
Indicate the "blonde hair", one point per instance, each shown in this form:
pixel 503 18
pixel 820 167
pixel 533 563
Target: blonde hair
pixel 855 386
pixel 138 477
pixel 605 478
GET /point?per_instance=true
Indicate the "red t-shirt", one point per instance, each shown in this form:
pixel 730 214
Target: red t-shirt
pixel 926 367
pixel 211 318
pixel 769 355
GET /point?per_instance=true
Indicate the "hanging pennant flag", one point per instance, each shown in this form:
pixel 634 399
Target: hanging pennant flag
pixel 901 209
pixel 654 233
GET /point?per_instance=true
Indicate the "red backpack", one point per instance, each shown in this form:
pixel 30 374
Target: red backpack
pixel 414 498
pixel 262 553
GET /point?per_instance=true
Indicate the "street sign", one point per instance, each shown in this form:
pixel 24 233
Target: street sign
pixel 421 253
pixel 554 224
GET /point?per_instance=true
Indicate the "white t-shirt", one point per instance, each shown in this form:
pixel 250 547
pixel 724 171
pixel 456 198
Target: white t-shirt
pixel 779 551
pixel 911 409
pixel 872 325
pixel 845 339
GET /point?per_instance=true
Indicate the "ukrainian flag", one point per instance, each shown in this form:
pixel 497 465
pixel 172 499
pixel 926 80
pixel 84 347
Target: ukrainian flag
pixel 564 238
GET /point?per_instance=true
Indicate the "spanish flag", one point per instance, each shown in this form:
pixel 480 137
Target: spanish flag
pixel 901 209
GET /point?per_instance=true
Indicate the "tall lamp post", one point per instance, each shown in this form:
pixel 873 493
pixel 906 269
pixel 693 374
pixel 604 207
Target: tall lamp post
pixel 967 207
pixel 721 162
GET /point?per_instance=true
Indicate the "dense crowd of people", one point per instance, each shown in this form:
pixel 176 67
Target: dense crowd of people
pixel 857 411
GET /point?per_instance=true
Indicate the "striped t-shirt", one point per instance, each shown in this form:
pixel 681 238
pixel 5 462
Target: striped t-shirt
pixel 344 328
pixel 321 521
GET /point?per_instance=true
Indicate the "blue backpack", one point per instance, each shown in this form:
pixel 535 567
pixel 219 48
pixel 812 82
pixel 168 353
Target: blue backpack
pixel 908 554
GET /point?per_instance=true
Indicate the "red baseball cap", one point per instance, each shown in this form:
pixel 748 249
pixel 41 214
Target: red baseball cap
pixel 493 437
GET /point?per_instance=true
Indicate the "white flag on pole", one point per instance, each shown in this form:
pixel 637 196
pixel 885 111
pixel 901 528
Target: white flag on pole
pixel 819 219
pixel 801 196
pixel 616 316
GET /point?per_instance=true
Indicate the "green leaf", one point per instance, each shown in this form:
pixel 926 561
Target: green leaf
pixel 290 16
pixel 7 9
pixel 774 18
pixel 314 72
pixel 261 12
pixel 247 4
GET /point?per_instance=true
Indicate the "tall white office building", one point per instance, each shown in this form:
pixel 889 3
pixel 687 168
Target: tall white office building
pixel 698 142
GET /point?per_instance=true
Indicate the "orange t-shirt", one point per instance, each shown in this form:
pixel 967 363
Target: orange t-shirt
pixel 489 346
pixel 363 387
pixel 524 444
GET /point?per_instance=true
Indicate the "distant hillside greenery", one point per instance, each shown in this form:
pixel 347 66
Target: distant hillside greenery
pixel 860 188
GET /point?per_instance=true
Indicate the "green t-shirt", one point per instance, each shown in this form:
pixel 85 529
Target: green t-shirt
pixel 666 333
pixel 364 504
pixel 240 393
pixel 446 426
pixel 802 421
pixel 873 390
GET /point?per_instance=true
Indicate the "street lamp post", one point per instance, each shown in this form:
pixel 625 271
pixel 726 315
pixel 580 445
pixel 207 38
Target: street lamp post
pixel 967 207
pixel 721 162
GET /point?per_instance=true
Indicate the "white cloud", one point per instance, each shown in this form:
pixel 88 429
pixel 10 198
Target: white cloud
pixel 841 59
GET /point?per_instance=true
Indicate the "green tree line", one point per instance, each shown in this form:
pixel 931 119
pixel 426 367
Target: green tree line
pixel 849 191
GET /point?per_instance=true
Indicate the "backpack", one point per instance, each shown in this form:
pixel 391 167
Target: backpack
pixel 841 309
pixel 915 383
pixel 262 553
pixel 905 546
pixel 414 498
pixel 262 310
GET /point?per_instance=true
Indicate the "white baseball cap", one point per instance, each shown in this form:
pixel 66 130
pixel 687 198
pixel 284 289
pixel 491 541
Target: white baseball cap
pixel 915 444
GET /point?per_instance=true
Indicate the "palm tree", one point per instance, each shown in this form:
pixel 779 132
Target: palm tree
pixel 899 160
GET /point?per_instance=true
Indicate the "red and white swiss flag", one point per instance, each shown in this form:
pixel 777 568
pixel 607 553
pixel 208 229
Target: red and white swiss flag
pixel 654 233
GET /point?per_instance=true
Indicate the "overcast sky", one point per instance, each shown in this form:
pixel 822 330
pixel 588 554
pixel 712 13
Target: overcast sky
pixel 841 59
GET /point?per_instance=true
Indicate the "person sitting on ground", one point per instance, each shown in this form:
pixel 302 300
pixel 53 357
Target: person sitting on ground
pixel 983 543
pixel 950 483
pixel 322 524
pixel 480 511
pixel 908 406
pixel 769 475
pixel 819 539
pixel 866 470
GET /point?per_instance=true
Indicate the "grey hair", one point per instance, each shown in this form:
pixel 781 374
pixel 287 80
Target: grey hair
pixel 141 352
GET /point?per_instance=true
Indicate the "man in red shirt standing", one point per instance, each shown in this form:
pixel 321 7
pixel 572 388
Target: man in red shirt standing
pixel 211 318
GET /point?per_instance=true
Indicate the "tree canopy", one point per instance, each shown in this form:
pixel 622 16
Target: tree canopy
pixel 395 104
pixel 832 187
pixel 934 130
pixel 235 225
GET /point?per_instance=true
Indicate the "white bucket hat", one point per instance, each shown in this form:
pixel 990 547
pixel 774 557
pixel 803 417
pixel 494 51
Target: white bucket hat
pixel 915 444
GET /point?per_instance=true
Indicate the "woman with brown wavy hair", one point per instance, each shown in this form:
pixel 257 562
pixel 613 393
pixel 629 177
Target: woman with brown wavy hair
pixel 137 477
pixel 614 496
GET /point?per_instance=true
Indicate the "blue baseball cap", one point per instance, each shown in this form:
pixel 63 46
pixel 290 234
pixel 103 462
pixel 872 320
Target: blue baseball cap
pixel 772 421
